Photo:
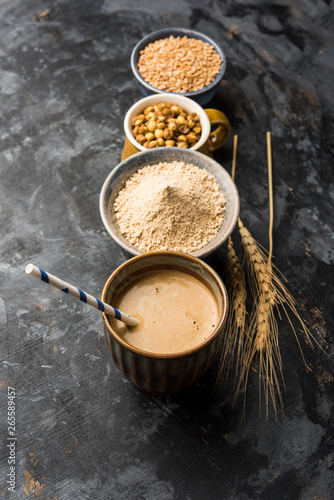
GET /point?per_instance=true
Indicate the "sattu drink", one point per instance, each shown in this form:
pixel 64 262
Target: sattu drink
pixel 176 311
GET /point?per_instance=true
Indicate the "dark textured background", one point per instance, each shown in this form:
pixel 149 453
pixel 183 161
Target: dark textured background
pixel 82 430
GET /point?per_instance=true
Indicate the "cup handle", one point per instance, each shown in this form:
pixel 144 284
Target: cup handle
pixel 218 136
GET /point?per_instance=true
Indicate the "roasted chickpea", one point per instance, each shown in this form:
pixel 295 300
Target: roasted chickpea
pixel 148 109
pixel 140 138
pixel 158 133
pixel 166 124
pixel 182 138
pixel 142 129
pixel 192 137
pixel 173 125
pixel 168 134
pixel 195 117
pixel 133 121
pixel 138 122
pixel 161 125
pixel 181 120
pixel 149 136
pixel 167 112
pixel 176 110
pixel 152 126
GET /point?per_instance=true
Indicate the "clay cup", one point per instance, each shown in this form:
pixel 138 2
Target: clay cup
pixel 162 374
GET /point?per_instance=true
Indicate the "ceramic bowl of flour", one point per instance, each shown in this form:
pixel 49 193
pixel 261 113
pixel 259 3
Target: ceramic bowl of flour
pixel 203 226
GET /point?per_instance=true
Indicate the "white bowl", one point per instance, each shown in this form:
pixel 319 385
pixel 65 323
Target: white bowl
pixel 185 103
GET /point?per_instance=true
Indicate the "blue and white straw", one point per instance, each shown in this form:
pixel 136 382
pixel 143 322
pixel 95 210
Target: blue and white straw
pixel 79 294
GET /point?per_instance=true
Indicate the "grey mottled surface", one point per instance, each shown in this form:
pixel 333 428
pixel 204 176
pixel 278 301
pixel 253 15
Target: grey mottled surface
pixel 82 430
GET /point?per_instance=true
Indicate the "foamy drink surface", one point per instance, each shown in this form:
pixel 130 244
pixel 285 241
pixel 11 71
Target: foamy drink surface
pixel 176 311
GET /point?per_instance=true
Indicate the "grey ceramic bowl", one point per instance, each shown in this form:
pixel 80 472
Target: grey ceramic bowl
pixel 120 174
pixel 202 96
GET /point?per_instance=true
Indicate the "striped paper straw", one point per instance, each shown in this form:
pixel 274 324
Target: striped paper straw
pixel 79 294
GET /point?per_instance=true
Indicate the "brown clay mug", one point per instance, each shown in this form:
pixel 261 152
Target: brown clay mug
pixel 210 140
pixel 162 374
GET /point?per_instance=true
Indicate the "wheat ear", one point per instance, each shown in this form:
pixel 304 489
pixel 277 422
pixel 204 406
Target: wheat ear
pixel 269 295
pixel 262 338
pixel 232 337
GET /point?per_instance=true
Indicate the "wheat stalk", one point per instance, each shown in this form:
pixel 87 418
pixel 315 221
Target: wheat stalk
pixel 269 295
pixel 262 339
pixel 259 339
pixel 232 338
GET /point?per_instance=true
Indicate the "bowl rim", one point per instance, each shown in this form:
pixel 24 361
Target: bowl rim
pixel 186 32
pixel 144 102
pixel 126 245
pixel 181 354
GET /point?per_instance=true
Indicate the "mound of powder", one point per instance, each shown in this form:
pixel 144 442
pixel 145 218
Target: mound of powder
pixel 170 206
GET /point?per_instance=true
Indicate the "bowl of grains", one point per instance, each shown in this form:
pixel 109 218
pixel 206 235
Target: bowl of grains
pixel 169 199
pixel 180 61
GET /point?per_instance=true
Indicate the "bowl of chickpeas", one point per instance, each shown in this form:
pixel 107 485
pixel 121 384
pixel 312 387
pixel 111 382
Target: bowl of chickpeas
pixel 178 60
pixel 173 121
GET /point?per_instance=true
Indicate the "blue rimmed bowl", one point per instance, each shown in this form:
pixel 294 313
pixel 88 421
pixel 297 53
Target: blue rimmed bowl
pixel 202 96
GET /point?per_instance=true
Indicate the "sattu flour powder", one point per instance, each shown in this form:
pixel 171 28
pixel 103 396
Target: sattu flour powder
pixel 170 206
